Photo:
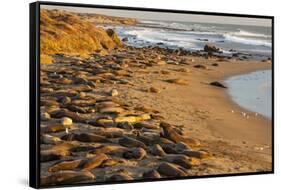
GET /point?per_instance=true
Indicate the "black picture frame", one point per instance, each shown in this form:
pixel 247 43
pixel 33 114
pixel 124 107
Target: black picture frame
pixel 34 92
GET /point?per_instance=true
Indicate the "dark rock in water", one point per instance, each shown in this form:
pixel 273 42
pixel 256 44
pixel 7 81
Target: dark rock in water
pixel 235 55
pixel 67 177
pixel 218 84
pixel 119 177
pixel 210 48
pixel 136 153
pixel 203 39
pixel 171 170
pixel 152 174
pixel 125 39
pixel 160 43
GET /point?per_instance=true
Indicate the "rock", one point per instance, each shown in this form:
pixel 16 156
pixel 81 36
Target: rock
pixel 157 150
pixel 177 81
pixel 210 48
pixel 114 92
pixel 151 174
pixel 66 178
pixel 218 84
pixel 65 165
pixel 161 63
pixel 170 170
pixel 200 66
pixel 125 39
pixel 119 177
pixel 130 142
pixel 95 161
pixel 136 153
pixel 65 121
pixel 154 90
pixel 113 35
pixel 196 154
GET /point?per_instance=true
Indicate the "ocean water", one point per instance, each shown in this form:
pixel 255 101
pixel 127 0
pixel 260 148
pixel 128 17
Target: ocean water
pixel 254 40
pixel 252 91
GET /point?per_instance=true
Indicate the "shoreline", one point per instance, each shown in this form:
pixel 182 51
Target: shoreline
pixel 197 110
pixel 110 111
pixel 238 107
pixel 242 107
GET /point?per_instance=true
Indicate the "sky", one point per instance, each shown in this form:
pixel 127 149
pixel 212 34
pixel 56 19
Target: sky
pixel 148 15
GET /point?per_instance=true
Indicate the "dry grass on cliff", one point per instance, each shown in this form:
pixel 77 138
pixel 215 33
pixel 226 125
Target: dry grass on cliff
pixel 67 33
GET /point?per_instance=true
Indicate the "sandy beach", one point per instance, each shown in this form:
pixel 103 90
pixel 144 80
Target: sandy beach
pixel 131 113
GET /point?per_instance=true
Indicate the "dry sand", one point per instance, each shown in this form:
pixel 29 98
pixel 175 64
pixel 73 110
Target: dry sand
pixel 205 111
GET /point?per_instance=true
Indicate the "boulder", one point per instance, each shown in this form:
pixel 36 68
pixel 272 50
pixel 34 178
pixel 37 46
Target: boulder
pixel 210 48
